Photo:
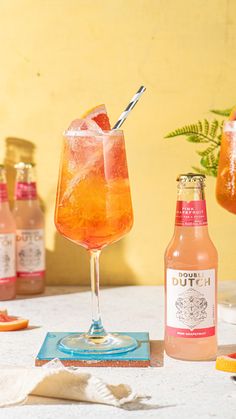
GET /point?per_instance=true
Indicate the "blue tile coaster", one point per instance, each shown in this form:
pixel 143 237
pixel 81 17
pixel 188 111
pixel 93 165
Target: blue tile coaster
pixel 139 357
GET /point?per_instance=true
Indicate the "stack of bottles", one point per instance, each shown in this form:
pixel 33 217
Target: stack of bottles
pixel 22 249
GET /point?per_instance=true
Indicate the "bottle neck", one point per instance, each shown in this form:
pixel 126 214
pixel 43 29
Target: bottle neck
pixel 25 191
pixel 3 193
pixel 25 188
pixel 191 207
pixel 3 188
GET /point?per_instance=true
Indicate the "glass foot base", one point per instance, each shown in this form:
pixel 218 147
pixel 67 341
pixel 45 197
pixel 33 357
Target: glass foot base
pixel 87 344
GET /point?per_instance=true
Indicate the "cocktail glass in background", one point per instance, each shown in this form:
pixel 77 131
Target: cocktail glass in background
pixel 226 179
pixel 94 209
pixel 226 197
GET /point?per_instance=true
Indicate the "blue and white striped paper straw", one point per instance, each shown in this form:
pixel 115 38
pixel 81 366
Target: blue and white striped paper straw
pixel 130 106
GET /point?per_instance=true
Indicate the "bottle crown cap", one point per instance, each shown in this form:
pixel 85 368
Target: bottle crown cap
pixel 192 178
pixel 24 165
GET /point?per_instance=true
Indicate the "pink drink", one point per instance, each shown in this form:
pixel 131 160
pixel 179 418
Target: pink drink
pixel 190 278
pixel 7 244
pixel 30 249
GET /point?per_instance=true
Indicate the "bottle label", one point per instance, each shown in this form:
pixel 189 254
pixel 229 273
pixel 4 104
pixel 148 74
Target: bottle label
pixel 191 213
pixel 190 303
pixel 25 190
pixel 7 258
pixel 30 253
pixel 3 192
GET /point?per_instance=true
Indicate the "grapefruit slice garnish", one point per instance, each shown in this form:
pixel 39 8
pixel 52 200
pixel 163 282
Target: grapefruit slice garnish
pixel 226 363
pixel 8 323
pixel 99 115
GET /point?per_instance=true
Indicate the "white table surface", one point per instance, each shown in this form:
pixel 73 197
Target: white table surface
pixel 177 389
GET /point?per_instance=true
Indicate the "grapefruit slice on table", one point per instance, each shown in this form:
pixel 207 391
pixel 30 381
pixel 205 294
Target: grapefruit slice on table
pixel 99 115
pixel 226 363
pixel 8 323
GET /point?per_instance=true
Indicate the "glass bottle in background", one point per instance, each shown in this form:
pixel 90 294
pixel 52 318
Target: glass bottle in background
pixel 7 244
pixel 16 149
pixel 29 218
pixel 190 277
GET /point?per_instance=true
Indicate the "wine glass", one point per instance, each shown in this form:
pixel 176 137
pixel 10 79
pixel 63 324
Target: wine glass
pixel 94 209
pixel 226 176
pixel 226 197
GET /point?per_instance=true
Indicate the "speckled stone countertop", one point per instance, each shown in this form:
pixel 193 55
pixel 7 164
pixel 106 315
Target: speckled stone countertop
pixel 177 389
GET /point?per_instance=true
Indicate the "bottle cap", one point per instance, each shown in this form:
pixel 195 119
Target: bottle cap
pixel 191 177
pixel 24 165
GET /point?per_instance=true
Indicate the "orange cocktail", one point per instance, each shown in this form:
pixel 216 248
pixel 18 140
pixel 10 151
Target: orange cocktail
pixel 93 205
pixel 226 177
pixel 94 209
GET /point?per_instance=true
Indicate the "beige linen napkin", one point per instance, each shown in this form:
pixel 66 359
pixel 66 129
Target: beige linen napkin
pixel 55 380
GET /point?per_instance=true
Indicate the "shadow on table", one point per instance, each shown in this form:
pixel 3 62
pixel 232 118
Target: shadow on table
pixel 138 404
pixel 226 349
pixel 157 353
pixel 50 291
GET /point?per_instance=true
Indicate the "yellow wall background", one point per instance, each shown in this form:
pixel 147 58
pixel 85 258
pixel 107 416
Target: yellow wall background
pixel 61 57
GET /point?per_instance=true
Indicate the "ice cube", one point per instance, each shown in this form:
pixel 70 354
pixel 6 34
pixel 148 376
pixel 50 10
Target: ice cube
pixel 82 125
pixel 77 124
pixel 82 169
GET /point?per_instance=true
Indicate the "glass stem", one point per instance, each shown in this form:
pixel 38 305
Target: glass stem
pixel 96 328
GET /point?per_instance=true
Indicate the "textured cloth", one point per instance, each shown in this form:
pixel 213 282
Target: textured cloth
pixel 55 380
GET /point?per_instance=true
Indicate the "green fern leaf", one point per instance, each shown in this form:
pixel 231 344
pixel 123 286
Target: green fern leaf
pixel 195 138
pixel 225 112
pixel 209 164
pixel 205 132
pixel 214 128
pixel 212 160
pixel 207 151
pixel 186 130
pixel 200 129
pixel 206 126
pixel 205 161
pixel 206 172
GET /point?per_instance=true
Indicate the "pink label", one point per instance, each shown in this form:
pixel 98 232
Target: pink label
pixel 188 333
pixel 30 253
pixel 26 190
pixel 3 192
pixel 39 274
pixel 7 257
pixel 191 303
pixel 192 213
pixel 7 280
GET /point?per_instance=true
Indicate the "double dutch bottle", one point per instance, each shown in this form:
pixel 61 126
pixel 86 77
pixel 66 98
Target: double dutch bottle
pixel 29 219
pixel 7 243
pixel 190 277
